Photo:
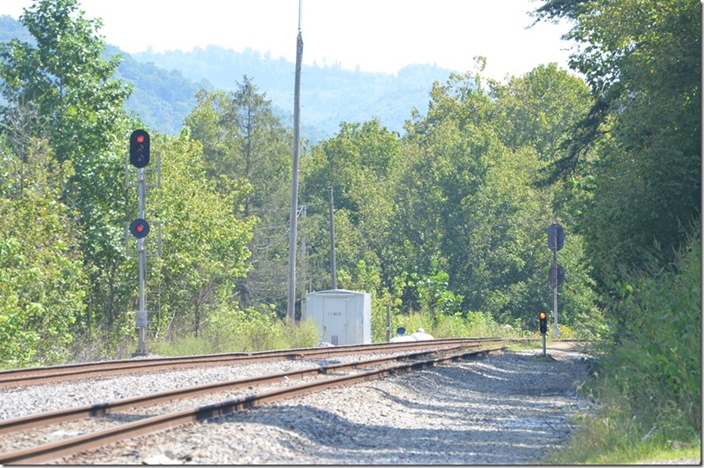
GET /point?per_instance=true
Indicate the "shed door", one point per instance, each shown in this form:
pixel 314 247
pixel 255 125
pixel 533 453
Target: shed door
pixel 335 320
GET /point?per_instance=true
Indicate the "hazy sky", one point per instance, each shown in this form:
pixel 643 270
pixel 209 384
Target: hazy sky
pixel 369 35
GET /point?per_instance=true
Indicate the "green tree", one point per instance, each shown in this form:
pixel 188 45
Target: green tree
pixel 540 108
pixel 360 164
pixel 65 79
pixel 42 286
pixel 244 141
pixel 469 199
pixel 642 60
pixel 204 241
pixel 64 84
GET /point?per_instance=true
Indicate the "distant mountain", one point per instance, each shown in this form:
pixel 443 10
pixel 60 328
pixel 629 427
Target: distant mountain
pixel 10 28
pixel 165 85
pixel 162 99
pixel 329 95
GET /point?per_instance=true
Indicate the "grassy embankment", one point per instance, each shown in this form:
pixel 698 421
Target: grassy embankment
pixel 647 386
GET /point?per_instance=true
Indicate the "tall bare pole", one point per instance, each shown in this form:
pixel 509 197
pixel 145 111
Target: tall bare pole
pixel 294 185
pixel 333 265
pixel 142 312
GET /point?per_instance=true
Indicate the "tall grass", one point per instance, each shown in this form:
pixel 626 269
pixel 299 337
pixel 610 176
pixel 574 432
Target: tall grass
pixel 471 324
pixel 250 330
pixel 648 385
pixel 241 331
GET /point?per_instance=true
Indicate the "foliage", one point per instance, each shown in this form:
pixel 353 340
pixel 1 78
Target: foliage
pixel 240 331
pixel 359 164
pixel 64 77
pixel 42 286
pixel 468 200
pixel 664 370
pixel 245 143
pixel 643 61
pixel 640 149
pixel 204 242
pixel 540 108
pixel 58 88
pixel 470 325
pixel 648 383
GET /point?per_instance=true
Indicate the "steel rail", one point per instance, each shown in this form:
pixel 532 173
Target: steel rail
pixel 50 452
pixel 19 377
pixel 34 421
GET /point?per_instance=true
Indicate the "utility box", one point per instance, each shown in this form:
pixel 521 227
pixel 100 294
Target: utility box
pixel 344 317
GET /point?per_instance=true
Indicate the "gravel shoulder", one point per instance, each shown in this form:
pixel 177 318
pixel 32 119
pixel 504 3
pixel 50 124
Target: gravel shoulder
pixel 503 409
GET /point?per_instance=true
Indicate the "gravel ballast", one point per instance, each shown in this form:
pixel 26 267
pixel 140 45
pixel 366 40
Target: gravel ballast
pixel 503 409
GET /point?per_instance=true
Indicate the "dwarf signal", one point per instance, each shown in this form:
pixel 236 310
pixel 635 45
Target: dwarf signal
pixel 543 319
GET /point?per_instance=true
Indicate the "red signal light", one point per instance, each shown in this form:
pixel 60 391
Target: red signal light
pixel 543 316
pixel 139 228
pixel 139 148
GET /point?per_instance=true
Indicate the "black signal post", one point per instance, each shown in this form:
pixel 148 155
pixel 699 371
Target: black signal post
pixel 543 317
pixel 136 240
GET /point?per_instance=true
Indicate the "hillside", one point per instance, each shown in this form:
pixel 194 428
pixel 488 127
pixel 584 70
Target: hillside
pixel 329 95
pixel 165 85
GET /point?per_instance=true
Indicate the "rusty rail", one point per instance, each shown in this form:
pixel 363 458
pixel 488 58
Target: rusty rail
pixel 57 450
pixel 31 376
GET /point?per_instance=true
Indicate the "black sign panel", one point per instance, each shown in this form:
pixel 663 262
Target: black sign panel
pixel 556 237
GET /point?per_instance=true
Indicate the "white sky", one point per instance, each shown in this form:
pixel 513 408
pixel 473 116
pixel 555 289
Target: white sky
pixel 372 35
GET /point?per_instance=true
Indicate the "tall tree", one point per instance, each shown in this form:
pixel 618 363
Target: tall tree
pixel 540 108
pixel 204 241
pixel 42 285
pixel 63 80
pixel 642 60
pixel 360 164
pixel 244 142
pixel 468 197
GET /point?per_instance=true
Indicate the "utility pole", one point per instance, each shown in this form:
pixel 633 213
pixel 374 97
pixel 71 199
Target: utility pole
pixel 294 185
pixel 333 266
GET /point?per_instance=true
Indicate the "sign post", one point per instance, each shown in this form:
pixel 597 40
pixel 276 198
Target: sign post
pixel 556 275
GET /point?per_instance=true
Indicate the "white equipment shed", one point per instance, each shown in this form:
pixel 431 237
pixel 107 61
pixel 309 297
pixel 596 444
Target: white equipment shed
pixel 344 317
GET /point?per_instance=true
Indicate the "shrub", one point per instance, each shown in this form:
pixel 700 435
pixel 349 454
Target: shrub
pixel 648 385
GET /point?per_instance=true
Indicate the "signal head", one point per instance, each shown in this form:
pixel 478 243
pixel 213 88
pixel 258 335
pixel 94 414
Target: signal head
pixel 139 228
pixel 543 318
pixel 139 148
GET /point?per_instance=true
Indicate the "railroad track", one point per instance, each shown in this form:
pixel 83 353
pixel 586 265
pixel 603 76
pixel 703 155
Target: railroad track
pixel 36 375
pixel 318 378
